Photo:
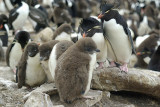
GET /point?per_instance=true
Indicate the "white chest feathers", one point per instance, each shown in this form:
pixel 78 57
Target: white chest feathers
pixel 120 44
pixel 53 62
pixel 63 36
pixel 15 55
pixel 22 17
pixel 98 38
pixel 34 72
pixel 91 67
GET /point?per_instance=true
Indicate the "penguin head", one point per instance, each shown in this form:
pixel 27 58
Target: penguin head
pixel 3 19
pixel 45 49
pixel 105 9
pixel 22 37
pixel 32 49
pixel 87 45
pixel 16 2
pixel 63 28
pixel 66 28
pixel 89 26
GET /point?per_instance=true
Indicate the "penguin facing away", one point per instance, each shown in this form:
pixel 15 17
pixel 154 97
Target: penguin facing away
pixel 154 63
pixel 91 27
pixel 18 15
pixel 119 36
pixel 74 70
pixel 63 32
pixel 57 51
pixel 15 49
pixel 45 51
pixel 30 72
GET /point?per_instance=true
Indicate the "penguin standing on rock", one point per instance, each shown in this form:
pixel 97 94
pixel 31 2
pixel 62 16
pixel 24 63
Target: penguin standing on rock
pixel 18 15
pixel 30 72
pixel 92 27
pixel 15 49
pixel 63 32
pixel 57 51
pixel 74 69
pixel 118 34
pixel 45 51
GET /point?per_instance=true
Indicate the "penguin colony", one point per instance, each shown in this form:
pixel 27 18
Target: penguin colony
pixel 68 54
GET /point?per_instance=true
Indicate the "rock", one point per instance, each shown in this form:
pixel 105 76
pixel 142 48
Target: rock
pixel 135 80
pixel 7 83
pixel 47 88
pixel 96 94
pixel 44 88
pixel 38 99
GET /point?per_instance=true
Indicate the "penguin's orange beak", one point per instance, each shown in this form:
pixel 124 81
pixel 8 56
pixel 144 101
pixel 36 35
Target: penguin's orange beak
pixel 84 35
pixel 1 26
pixel 100 16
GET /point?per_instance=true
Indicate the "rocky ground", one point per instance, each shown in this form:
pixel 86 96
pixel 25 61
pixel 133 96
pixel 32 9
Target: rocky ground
pixel 11 96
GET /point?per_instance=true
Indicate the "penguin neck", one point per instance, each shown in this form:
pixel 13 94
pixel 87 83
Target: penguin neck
pixel 113 14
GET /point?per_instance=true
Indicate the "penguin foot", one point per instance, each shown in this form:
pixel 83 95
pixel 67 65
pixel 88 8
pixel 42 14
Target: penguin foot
pixel 112 64
pixel 124 68
pixel 101 65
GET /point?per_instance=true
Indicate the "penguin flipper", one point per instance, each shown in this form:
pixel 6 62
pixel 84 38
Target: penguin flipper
pixel 8 52
pixel 21 73
pixel 82 79
pixel 12 16
pixel 38 16
pixel 130 39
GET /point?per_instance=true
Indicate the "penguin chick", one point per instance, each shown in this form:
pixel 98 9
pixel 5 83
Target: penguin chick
pixel 74 69
pixel 30 72
pixel 61 14
pixel 91 27
pixel 146 49
pixel 44 35
pixel 15 49
pixel 118 34
pixel 45 51
pixel 63 32
pixel 57 51
pixel 154 63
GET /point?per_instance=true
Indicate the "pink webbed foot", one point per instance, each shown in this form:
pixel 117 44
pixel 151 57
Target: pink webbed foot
pixel 101 65
pixel 124 68
pixel 112 64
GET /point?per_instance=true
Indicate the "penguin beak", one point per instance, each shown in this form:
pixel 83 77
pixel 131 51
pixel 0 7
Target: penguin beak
pixel 97 50
pixel 1 26
pixel 84 35
pixel 100 16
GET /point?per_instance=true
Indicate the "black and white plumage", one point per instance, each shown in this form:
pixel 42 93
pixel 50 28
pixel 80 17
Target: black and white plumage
pixel 19 15
pixel 118 34
pixel 92 27
pixel 4 29
pixel 15 49
pixel 38 17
